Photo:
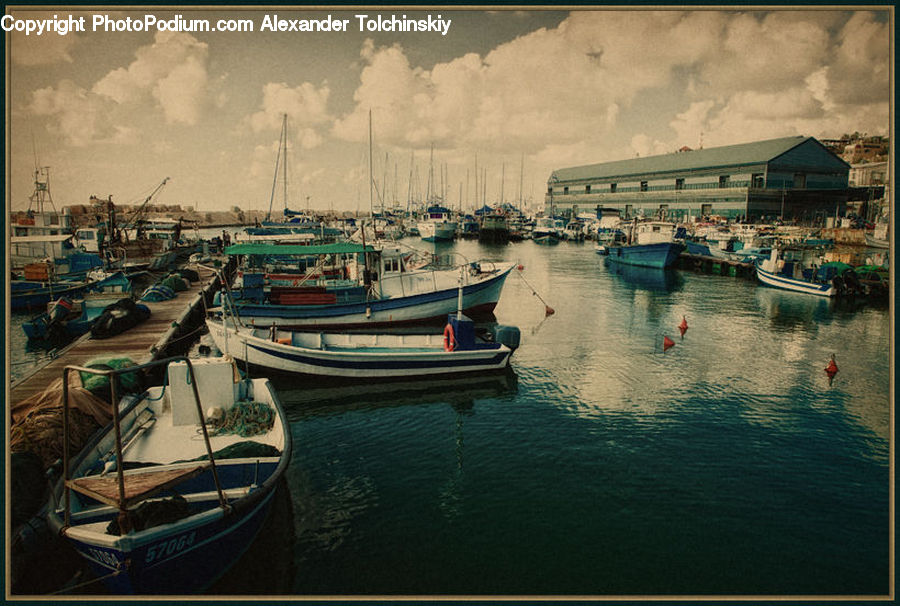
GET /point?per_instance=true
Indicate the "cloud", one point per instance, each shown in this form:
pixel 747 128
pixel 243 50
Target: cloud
pixel 41 50
pixel 80 116
pixel 173 70
pixel 306 105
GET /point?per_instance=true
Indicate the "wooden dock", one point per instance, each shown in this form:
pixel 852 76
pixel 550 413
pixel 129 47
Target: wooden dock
pixel 154 338
pixel 714 265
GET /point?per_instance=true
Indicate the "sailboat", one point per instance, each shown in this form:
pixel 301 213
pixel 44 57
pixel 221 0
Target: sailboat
pixel 296 227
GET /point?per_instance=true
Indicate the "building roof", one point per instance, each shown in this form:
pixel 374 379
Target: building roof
pixel 758 152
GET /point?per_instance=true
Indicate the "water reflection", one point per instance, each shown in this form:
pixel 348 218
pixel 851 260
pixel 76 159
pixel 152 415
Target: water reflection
pixel 309 397
pixel 649 278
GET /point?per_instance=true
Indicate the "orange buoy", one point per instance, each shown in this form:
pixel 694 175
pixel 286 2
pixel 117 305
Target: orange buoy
pixel 667 343
pixel 683 326
pixel 832 368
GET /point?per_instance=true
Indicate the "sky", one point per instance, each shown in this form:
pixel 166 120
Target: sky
pixel 497 103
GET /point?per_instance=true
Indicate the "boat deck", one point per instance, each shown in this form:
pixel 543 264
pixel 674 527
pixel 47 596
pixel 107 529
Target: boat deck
pixel 141 343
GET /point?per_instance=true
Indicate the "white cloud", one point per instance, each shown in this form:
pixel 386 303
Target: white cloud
pixel 306 105
pixel 173 70
pixel 80 116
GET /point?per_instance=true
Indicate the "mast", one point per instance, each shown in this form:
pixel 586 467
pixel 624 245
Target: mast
pixel 521 175
pixel 281 140
pixel 502 180
pixel 371 193
pixel 284 164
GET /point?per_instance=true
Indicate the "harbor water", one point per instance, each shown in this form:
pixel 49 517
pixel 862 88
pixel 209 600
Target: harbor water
pixel 599 464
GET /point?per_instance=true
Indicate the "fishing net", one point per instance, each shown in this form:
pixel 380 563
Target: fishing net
pixel 175 282
pixel 154 513
pixel 243 450
pixel 37 420
pixel 129 382
pixel 248 419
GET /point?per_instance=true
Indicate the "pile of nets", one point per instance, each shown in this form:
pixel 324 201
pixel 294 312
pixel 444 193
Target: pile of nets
pixel 176 282
pixel 157 293
pixel 129 382
pixel 247 419
pixel 37 420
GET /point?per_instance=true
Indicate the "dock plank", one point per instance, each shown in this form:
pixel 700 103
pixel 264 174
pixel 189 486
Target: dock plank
pixel 136 343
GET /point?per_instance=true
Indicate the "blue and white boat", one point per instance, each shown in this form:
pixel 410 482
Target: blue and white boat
pixel 365 356
pixel 548 230
pixel 68 318
pixel 788 272
pixel 438 224
pixel 648 244
pixel 168 497
pixel 379 291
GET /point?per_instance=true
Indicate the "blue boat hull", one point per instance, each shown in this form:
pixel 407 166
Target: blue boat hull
pixel 659 255
pixel 478 299
pixel 185 563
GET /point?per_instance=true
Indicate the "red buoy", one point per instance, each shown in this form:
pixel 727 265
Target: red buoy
pixel 683 326
pixel 667 343
pixel 520 267
pixel 832 368
pixel 548 311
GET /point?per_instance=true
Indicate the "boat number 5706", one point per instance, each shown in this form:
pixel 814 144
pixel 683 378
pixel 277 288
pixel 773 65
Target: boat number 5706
pixel 167 548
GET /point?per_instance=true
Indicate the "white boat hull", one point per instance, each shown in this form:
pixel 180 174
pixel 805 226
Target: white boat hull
pixel 354 355
pixel 794 285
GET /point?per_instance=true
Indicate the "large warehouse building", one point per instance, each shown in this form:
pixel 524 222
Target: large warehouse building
pixel 793 177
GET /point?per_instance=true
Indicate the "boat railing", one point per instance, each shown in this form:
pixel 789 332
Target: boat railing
pixel 121 498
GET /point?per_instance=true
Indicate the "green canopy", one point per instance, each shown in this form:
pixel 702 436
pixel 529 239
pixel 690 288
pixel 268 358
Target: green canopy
pixel 297 249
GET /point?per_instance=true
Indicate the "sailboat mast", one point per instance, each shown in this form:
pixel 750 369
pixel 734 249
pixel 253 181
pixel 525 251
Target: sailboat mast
pixel 284 167
pixel 371 193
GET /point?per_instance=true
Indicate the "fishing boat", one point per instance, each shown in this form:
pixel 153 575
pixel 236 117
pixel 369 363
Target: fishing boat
pixel 371 355
pixel 547 230
pixel 494 228
pixel 168 496
pixel 787 271
pixel 379 288
pixel 67 318
pixel 648 244
pixel 34 294
pixel 437 225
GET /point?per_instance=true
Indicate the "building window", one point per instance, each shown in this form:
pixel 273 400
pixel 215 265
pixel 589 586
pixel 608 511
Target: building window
pixel 723 181
pixel 549 189
pixel 757 181
pixel 566 189
pixel 679 183
pixel 629 210
pixel 643 186
pixel 799 181
pixel 705 210
pixel 587 189
pixel 612 188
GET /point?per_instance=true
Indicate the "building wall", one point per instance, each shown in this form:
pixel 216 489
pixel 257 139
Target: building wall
pixel 752 190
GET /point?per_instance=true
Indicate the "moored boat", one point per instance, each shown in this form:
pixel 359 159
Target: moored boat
pixel 379 290
pixel 438 224
pixel 649 244
pixel 828 280
pixel 191 492
pixel 369 355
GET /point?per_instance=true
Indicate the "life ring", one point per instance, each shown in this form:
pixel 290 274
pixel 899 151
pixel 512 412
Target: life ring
pixel 449 338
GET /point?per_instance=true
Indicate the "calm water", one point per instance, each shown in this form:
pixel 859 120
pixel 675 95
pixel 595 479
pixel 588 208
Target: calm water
pixel 600 465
